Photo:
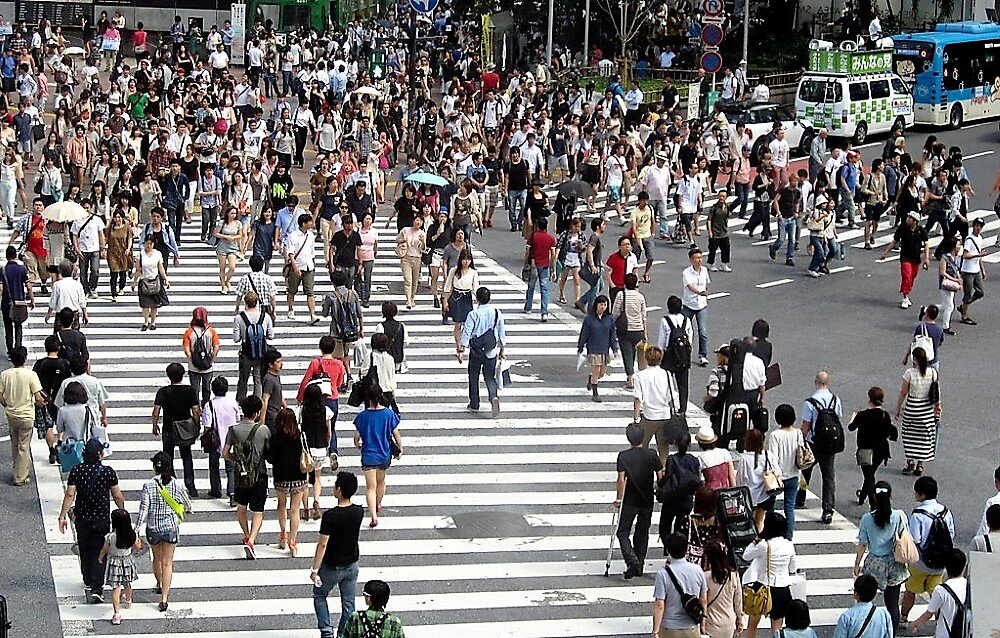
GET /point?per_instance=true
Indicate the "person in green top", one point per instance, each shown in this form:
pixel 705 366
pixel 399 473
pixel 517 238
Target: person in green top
pixel 137 104
pixel 375 621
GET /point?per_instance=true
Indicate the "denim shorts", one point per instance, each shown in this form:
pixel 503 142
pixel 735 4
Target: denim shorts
pixel 157 536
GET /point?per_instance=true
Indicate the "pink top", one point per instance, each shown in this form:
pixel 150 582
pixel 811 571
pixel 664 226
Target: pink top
pixel 366 251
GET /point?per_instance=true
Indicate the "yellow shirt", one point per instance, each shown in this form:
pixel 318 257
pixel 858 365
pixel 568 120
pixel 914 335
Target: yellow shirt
pixel 17 389
pixel 642 222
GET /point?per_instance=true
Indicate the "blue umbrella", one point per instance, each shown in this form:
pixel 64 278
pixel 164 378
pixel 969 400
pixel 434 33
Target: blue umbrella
pixel 421 177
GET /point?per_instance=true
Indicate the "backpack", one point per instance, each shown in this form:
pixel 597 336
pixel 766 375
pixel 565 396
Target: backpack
pixel 373 628
pixel 936 548
pixel 67 351
pixel 247 461
pixel 828 433
pixel 677 354
pixel 255 341
pixel 201 356
pixel 345 316
pixel 961 623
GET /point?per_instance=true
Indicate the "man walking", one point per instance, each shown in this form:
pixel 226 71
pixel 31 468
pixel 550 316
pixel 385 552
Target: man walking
pixel 677 578
pixel 821 414
pixel 15 290
pixel 592 269
pixel 973 269
pixel 694 297
pixel 933 529
pixel 335 564
pixel 637 468
pixel 914 253
pixel 89 246
pixel 538 256
pixel 244 446
pixel 176 189
pixel 847 183
pixel 653 401
pixel 300 260
pixel 20 391
pixel 817 154
pixel 865 619
pixel 787 203
pixel 252 330
pixel 485 337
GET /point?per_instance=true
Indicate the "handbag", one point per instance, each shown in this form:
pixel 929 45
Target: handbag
pixel 18 307
pixel 360 388
pixel 621 321
pixel 286 270
pixel 865 456
pixel 904 548
pixel 149 287
pixel 757 596
pixel 210 436
pixel 950 285
pixel 934 392
pixel 804 457
pixel 923 340
pixel 38 132
pixel 306 463
pixel 772 479
pixel 186 431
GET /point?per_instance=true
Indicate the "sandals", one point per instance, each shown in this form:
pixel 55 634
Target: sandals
pixel 646 279
pixel 967 321
pixel 304 513
pixel 562 300
pixel 282 540
pixel 910 467
pixel 919 470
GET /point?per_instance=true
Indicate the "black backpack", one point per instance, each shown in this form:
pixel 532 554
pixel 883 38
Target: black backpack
pixel 961 623
pixel 346 317
pixel 201 355
pixel 937 547
pixel 828 433
pixel 677 355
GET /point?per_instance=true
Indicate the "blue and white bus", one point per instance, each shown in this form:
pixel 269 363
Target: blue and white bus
pixel 954 70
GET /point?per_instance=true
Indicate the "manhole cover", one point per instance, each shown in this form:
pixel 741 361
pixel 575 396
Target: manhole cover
pixel 490 524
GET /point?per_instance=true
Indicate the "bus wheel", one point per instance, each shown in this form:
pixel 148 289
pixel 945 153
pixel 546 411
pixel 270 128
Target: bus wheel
pixel 956 117
pixel 900 123
pixel 860 133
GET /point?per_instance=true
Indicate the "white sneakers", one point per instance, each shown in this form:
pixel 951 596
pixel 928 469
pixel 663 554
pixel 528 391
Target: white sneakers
pixel 726 268
pixel 905 303
pixel 291 315
pixel 722 268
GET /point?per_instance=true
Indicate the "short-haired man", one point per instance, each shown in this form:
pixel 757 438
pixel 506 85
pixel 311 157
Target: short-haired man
pixel 821 399
pixel 990 541
pixel 485 337
pixel 252 438
pixel 864 619
pixel 261 283
pixel 993 500
pixel 677 576
pixel 923 578
pixel 948 599
pixel 300 260
pixel 335 563
pixel 250 366
pixel 20 391
pixel 15 290
pixel 694 297
pixel 634 494
pixel 653 401
pixel 539 254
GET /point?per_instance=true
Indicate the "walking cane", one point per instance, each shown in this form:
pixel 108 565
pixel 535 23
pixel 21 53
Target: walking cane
pixel 614 529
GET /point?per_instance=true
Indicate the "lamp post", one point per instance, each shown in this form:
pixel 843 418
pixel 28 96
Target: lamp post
pixel 548 40
pixel 586 33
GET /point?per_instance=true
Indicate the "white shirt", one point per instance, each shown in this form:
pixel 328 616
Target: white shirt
pixel 614 166
pixel 753 372
pixel 943 604
pixel 776 572
pixel 307 256
pixel 700 281
pixel 689 192
pixel 88 232
pixel 633 99
pixel 654 389
pixel 983 527
pixel 68 293
pixel 218 59
pixel 533 156
pixel 974 245
pixel 782 446
pixel 779 152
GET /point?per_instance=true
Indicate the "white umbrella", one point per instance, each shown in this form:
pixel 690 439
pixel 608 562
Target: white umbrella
pixel 64 211
pixel 367 90
pixel 74 51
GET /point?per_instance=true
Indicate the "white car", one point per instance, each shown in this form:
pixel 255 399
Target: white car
pixel 760 119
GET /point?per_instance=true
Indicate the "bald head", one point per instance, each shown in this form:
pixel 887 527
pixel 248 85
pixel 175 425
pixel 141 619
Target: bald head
pixel 822 379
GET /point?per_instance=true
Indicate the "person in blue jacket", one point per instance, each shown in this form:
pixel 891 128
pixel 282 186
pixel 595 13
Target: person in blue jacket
pixel 599 337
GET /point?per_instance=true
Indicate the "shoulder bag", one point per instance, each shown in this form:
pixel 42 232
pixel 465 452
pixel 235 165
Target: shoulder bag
pixel 757 596
pixel 621 321
pixel 210 437
pixel 306 463
pixel 18 307
pixel 690 603
pixel 186 431
pixel 804 457
pixel 934 392
pixel 864 625
pixel 149 287
pixel 286 270
pixel 904 548
pixel 773 483
pixel 168 498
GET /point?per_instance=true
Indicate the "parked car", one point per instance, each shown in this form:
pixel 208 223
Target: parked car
pixel 760 119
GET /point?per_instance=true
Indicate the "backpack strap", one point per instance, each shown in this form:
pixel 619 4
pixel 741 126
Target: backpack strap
pixel 989 546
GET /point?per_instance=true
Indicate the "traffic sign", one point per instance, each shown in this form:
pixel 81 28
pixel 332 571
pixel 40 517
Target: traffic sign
pixel 711 62
pixel 712 35
pixel 712 7
pixel 377 66
pixel 426 6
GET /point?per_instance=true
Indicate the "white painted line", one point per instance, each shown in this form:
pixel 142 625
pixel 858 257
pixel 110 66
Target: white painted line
pixel 653 308
pixel 772 284
pixel 841 269
pixel 975 155
pixel 717 295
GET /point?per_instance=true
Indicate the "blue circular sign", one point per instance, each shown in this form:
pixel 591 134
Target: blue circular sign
pixel 423 6
pixel 711 62
pixel 712 35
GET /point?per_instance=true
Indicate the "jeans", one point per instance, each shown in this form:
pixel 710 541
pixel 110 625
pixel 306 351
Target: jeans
pixel 628 345
pixel 346 579
pixel 634 552
pixel 595 289
pixel 208 217
pixel 202 384
pixel 175 215
pixel 248 368
pixel 846 206
pixel 363 284
pixel 90 540
pixel 786 230
pixel 720 244
pixel 827 467
pixel 702 318
pixel 791 491
pixel 742 198
pixel 334 406
pixel 117 282
pixel 819 252
pixel 659 207
pixel 12 332
pixel 214 479
pixel 542 278
pixel 90 265
pixel 937 215
pixel 488 367
pixel 515 208
pixel 187 461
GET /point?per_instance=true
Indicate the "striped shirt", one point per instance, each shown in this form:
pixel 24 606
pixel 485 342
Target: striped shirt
pixel 154 513
pixel 635 309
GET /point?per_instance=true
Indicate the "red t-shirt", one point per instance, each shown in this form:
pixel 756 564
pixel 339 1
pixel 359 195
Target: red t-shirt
pixel 35 242
pixel 541 245
pixel 490 81
pixel 333 368
pixel 617 264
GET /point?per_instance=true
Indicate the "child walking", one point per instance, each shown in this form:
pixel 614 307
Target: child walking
pixel 119 553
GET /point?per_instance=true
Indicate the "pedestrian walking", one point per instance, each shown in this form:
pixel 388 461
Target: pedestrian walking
pixel 245 445
pixel 875 430
pixel 724 612
pixel 865 619
pixel 949 603
pixel 539 258
pixel 201 349
pixel 385 369
pixel 272 396
pixel 160 519
pixel 180 407
pixel 772 565
pixel 90 487
pixel 118 555
pixel 335 563
pixel 399 337
pixel 347 324
pixel 378 438
pixel 16 298
pixel 374 621
pixel 89 244
pixel 677 580
pixel 653 403
pixel 990 502
pixel 949 281
pixel 284 453
pixel 570 254
pixel 219 414
pixel 20 392
pixel 316 420
pixel 598 335
pixel 783 445
pixel 675 337
pixel 914 253
pixel 716 464
pixel 927 335
pixel 752 463
pixel 411 242
pixel 300 266
pixel 878 533
pixel 932 527
pixel 823 432
pixel 702 525
pixel 592 269
pixel 632 304
pixel 485 337
pixel 150 277
pixel 328 374
pixel 694 298
pixel 973 269
pixel 118 252
pixel 919 405
pixel 253 330
pixel 681 468
pixel 229 237
pixel 459 285
pixel 638 467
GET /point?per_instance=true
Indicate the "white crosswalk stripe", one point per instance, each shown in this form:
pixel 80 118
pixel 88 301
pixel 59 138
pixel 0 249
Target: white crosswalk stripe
pixel 543 471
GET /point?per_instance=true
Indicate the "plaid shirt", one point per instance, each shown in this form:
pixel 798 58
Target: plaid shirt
pixel 154 513
pixel 356 629
pixel 263 283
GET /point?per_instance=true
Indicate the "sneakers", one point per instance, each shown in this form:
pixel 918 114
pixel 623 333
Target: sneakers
pixel 813 274
pixel 905 303
pixel 291 315
pixel 334 464
pixel 313 320
pixel 96 597
pixel 772 252
pixel 248 549
pixel 726 268
pixel 713 268
pixel 495 407
pixel 789 262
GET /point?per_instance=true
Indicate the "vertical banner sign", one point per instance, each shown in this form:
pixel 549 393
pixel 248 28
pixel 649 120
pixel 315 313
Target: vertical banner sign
pixel 487 40
pixel 238 15
pixel 694 97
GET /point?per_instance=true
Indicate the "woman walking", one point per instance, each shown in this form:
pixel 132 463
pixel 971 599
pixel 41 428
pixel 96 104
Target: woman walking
pixel 772 563
pixel 920 412
pixel 724 613
pixel 151 279
pixel 716 464
pixel 877 534
pixel 367 252
pixel 316 420
pixel 753 462
pixel 201 348
pixel 783 446
pixel 229 238
pixel 701 526
pixel 410 245
pixel 161 522
pixel 570 249
pixel 121 261
pixel 377 432
pixel 599 337
pixel 632 304
pixel 284 452
pixel 262 236
pixel 875 430
pixel 460 285
pixel 438 235
pixel 675 510
pixel 385 369
pixel 949 281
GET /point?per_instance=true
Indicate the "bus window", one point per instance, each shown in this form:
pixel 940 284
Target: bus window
pixel 880 89
pixel 858 91
pixel 898 87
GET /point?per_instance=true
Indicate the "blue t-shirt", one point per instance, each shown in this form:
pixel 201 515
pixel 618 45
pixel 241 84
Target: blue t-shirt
pixel 375 428
pixel 881 540
pixel 15 279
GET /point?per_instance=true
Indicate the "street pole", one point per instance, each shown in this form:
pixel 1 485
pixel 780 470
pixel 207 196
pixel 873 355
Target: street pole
pixel 746 30
pixel 586 34
pixel 548 41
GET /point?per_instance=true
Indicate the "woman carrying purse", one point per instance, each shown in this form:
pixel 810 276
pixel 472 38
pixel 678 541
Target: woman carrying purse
pixel 875 430
pixel 879 532
pixel 766 583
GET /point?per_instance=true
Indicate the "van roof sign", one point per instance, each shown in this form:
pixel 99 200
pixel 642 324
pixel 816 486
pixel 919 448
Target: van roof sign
pixel 850 62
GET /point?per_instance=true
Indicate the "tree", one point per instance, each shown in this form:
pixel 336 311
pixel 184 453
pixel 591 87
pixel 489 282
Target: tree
pixel 628 18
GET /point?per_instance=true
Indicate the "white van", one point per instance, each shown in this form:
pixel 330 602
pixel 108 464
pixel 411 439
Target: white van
pixel 853 94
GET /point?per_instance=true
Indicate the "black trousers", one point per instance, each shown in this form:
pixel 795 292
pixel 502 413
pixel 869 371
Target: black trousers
pixel 12 332
pixel 90 540
pixel 718 244
pixel 681 376
pixel 634 550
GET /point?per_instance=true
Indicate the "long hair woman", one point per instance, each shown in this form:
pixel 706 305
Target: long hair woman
pixel 230 235
pixel 772 563
pixel 377 430
pixel 160 522
pixel 460 285
pixel 877 534
pixel 920 413
pixel 724 614
pixel 316 420
pixel 284 452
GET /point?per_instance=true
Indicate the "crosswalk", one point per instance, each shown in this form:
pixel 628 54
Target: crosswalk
pixel 491 527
